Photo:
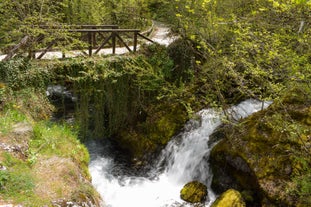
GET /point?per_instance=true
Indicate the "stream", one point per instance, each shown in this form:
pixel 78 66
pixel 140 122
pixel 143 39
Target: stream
pixel 184 159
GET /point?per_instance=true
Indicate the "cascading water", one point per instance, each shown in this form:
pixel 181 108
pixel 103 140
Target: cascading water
pixel 185 159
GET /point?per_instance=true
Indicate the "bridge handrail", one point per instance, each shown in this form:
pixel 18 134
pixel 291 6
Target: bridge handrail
pixel 103 30
pixel 91 30
pixel 83 26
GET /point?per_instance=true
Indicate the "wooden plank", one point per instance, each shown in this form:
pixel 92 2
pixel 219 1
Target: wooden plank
pixel 84 53
pixel 89 35
pixel 146 38
pixel 95 26
pixel 103 44
pixel 76 26
pixel 127 47
pixel 16 47
pixel 103 30
pixel 46 49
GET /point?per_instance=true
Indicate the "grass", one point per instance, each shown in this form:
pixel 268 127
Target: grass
pixel 50 139
pixel 55 159
pixel 9 118
pixel 17 182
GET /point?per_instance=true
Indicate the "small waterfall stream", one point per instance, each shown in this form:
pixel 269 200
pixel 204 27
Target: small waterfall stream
pixel 184 159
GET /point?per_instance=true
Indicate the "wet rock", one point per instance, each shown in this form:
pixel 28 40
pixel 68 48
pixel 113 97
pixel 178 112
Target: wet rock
pixel 61 98
pixel 65 203
pixel 194 192
pixel 229 198
pixel 264 156
pixel 59 94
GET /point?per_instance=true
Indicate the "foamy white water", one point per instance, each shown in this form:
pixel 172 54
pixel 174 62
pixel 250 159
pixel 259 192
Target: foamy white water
pixel 185 159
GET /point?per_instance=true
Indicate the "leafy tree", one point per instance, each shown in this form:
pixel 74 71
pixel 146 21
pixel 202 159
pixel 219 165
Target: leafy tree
pixel 253 47
pixel 25 18
pixel 83 11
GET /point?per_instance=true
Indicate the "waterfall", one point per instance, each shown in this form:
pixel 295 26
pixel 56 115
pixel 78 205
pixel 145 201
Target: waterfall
pixel 185 159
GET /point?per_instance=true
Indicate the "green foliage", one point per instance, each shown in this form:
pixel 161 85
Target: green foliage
pixel 44 22
pixel 183 54
pixel 19 74
pixel 83 12
pixel 246 48
pixel 112 93
pixel 9 118
pixel 24 86
pixel 302 188
pixel 16 181
pixel 19 179
pixel 51 139
pixel 161 10
pixel 158 57
pixel 127 13
pixel 13 183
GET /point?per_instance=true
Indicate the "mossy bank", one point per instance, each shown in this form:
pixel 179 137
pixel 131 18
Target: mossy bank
pixel 267 156
pixel 42 164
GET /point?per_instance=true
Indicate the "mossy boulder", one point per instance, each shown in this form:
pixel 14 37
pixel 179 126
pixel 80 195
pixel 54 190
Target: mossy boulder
pixel 194 192
pixel 162 123
pixel 229 198
pixel 268 154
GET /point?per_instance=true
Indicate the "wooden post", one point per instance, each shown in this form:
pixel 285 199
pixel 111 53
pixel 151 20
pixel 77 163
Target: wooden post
pixel 103 44
pixel 16 47
pixel 113 35
pixel 135 42
pixel 89 34
pixel 31 54
pixel 94 37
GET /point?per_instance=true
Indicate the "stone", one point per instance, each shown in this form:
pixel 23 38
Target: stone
pixel 265 154
pixel 194 192
pixel 230 198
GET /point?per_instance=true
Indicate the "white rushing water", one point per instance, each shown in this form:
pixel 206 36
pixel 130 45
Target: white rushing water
pixel 185 159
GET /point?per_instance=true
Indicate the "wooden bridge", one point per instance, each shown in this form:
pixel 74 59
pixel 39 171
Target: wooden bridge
pixel 95 37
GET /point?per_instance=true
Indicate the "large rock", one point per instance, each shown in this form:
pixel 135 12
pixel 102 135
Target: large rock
pixel 230 198
pixel 194 192
pixel 267 156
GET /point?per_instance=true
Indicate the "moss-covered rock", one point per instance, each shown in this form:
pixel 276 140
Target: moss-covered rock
pixel 161 124
pixel 268 154
pixel 229 198
pixel 194 192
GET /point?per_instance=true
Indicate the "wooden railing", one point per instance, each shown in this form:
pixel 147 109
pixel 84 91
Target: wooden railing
pixel 96 36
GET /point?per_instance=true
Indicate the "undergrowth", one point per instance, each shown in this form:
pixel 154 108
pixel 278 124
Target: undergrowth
pixel 46 141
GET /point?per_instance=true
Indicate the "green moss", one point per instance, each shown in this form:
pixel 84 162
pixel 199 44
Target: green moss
pixel 85 194
pixel 194 192
pixel 39 143
pixel 274 145
pixel 228 199
pixel 17 182
pixel 161 124
pixel 166 123
pixel 10 117
pixel 51 139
